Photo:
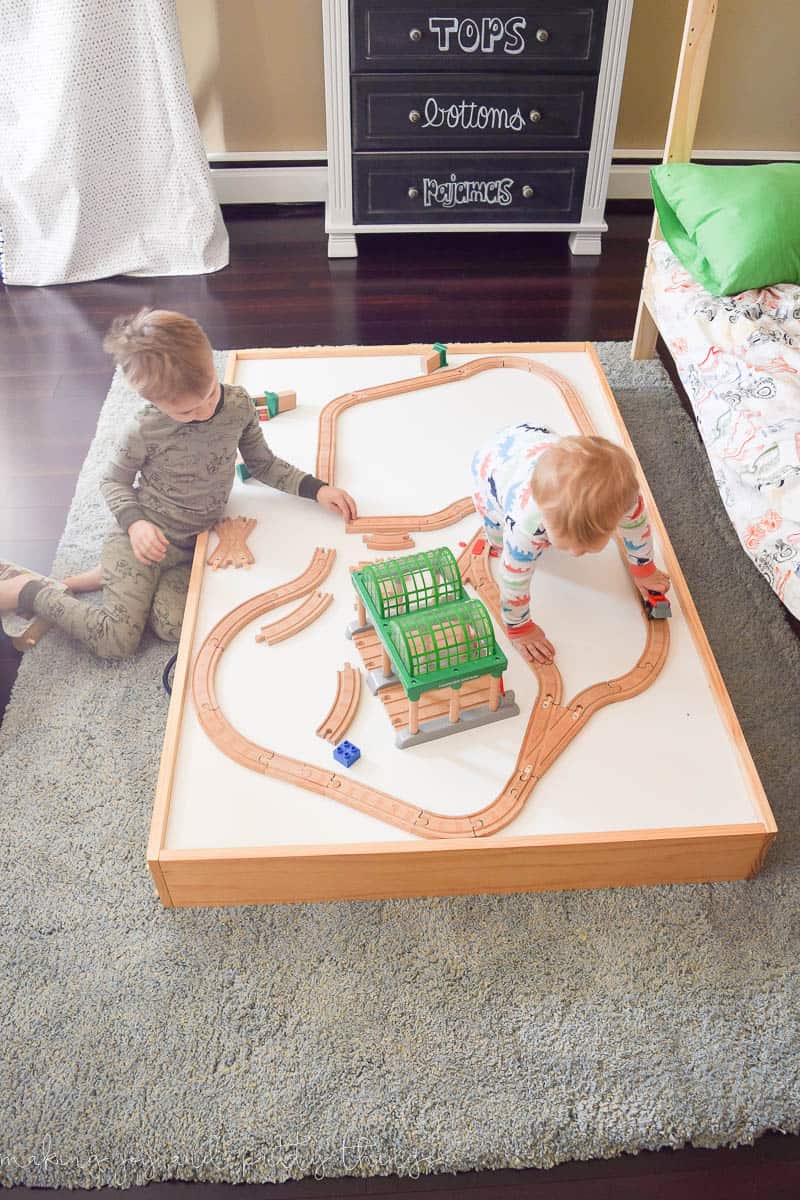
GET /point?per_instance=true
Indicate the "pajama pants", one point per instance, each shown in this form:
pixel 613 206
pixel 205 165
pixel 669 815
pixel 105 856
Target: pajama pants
pixel 133 594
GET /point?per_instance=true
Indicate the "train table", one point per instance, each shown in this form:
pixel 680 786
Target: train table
pixel 348 718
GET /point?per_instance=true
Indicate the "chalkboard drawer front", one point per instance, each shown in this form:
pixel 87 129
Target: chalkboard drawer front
pixel 432 112
pixel 467 35
pixel 444 189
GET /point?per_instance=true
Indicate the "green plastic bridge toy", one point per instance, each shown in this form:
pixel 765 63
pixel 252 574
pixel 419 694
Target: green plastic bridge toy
pixel 434 634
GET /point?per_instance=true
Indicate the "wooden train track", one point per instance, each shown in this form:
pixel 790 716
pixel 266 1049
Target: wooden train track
pixel 344 707
pixel 232 549
pixel 419 524
pixel 326 444
pixel 552 724
pixel 305 614
pixel 388 541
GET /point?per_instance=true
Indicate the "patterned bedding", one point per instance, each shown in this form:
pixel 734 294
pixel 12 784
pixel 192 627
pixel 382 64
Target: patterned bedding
pixel 739 360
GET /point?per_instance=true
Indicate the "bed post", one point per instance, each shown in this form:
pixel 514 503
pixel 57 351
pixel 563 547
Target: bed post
pixel 687 93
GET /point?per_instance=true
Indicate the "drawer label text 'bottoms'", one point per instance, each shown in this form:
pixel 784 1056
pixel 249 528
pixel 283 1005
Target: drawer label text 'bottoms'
pixel 468 114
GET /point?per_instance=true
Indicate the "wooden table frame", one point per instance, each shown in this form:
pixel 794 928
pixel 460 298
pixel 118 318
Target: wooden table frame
pixel 464 865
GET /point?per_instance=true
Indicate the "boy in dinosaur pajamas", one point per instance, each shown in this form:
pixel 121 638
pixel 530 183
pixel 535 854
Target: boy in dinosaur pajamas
pixel 168 481
pixel 536 489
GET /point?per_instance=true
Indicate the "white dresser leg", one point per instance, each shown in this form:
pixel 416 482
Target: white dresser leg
pixel 342 245
pixel 585 243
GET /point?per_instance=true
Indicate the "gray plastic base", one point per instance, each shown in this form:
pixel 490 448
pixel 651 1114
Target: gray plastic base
pixel 377 680
pixel 471 718
pixel 354 628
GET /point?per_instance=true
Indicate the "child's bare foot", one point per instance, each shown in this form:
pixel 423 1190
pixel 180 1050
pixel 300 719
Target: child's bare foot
pixel 87 581
pixel 11 588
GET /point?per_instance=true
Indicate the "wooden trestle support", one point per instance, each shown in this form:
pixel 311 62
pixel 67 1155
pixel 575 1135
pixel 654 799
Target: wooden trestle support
pixel 553 723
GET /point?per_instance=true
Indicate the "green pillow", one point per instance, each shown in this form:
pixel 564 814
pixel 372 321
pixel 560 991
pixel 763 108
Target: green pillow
pixel 732 228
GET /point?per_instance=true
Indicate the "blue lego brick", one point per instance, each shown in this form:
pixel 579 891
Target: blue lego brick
pixel 242 472
pixel 347 753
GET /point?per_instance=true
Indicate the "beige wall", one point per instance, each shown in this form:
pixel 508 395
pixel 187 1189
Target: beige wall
pixel 751 99
pixel 255 71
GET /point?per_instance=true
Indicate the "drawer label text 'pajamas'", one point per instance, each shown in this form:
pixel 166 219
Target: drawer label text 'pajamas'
pixel 466 191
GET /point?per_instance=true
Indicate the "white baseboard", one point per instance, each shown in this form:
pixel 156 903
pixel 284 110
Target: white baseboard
pixel 631 180
pixel 270 185
pixel 288 176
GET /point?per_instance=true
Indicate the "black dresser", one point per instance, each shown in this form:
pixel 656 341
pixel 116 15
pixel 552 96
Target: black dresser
pixel 467 116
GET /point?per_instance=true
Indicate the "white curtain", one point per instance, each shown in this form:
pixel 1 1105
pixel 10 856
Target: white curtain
pixel 102 168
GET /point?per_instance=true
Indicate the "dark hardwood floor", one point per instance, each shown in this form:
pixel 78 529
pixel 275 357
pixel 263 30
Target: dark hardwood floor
pixel 281 290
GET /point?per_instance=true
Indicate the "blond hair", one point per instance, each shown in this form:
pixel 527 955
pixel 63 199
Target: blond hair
pixel 584 486
pixel 162 354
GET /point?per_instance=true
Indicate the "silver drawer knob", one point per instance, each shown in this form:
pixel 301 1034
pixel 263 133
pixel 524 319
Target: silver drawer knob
pixel 414 116
pixel 542 35
pixel 413 193
pixel 415 35
pixel 527 191
pixel 534 115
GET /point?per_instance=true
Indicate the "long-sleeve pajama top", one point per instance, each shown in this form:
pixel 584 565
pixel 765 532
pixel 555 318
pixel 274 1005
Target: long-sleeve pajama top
pixel 179 474
pixel 501 473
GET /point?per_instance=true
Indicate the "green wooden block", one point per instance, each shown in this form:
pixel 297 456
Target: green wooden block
pixel 272 403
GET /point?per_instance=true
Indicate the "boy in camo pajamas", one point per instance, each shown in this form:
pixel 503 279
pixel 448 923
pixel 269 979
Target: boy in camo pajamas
pixel 169 480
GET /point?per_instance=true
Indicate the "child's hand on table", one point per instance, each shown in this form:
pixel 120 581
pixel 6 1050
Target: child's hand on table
pixel 149 543
pixel 337 500
pixel 657 581
pixel 531 642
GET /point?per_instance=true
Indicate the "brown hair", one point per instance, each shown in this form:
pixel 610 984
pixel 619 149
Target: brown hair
pixel 162 354
pixel 584 486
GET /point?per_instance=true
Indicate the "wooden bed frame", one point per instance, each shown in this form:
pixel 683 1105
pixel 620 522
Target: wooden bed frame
pixel 689 79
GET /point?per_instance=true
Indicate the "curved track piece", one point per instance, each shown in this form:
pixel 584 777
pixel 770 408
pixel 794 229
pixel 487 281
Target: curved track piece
pixel 552 725
pixel 232 549
pixel 317 570
pixel 305 614
pixel 326 443
pixel 344 707
pixel 437 520
pixel 388 541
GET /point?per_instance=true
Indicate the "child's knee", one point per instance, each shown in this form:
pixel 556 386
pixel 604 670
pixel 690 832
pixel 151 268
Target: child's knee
pixel 167 628
pixel 118 645
pixel 117 637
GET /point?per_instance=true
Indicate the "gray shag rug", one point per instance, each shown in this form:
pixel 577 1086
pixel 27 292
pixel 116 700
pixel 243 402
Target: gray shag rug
pixel 393 1036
